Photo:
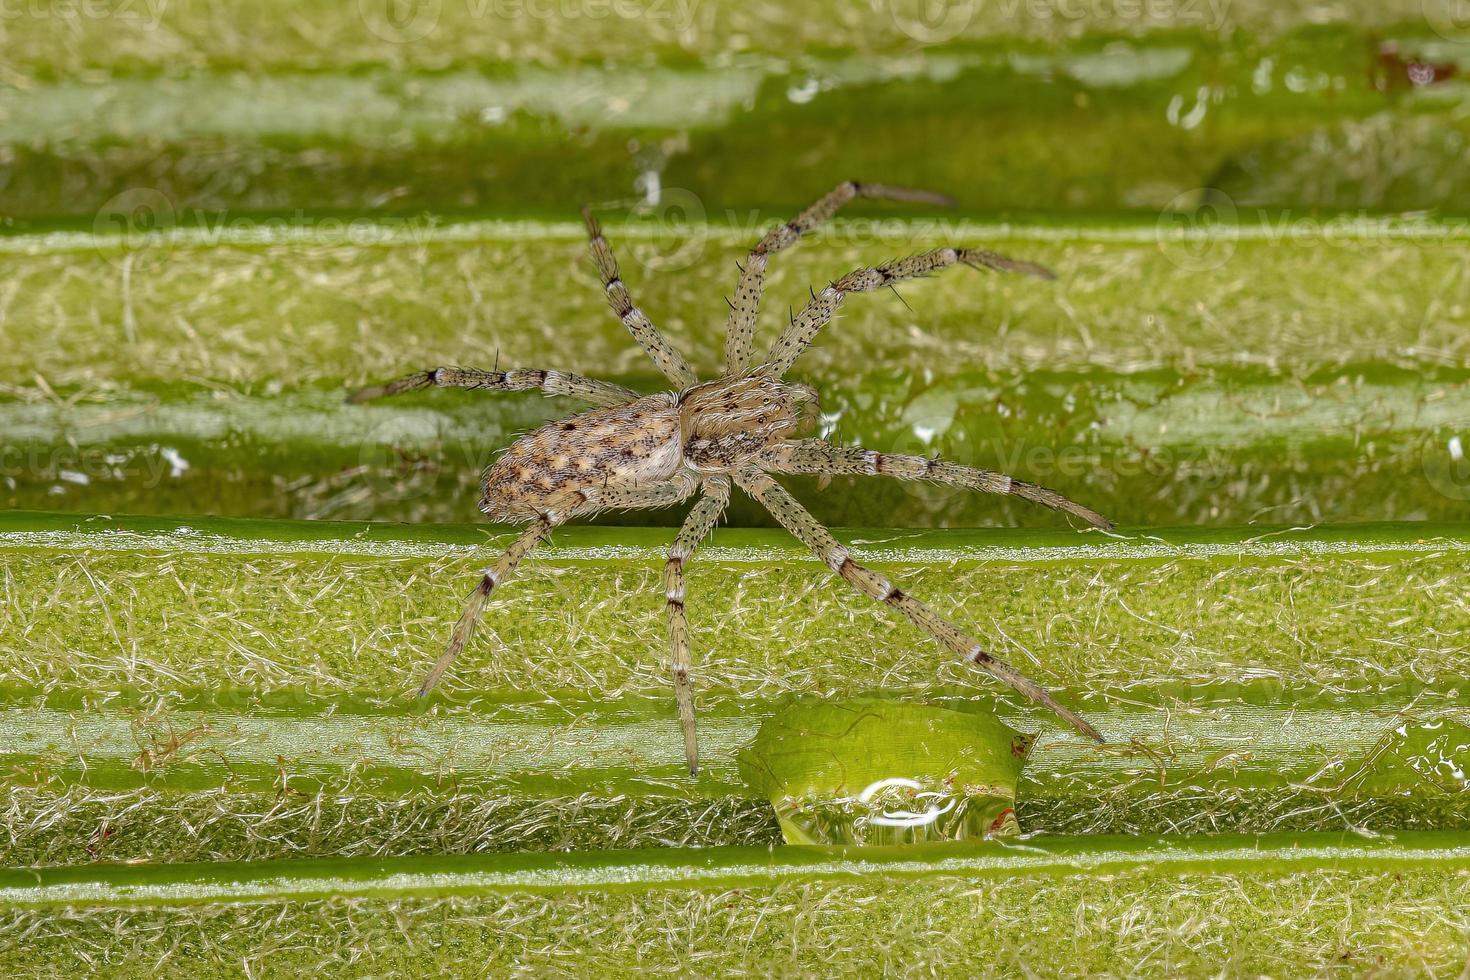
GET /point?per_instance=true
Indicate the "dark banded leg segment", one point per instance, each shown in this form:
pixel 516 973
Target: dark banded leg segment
pixel 475 608
pixel 665 355
pixel 803 329
pixel 816 456
pixel 577 503
pixel 697 526
pixel 740 328
pixel 549 382
pixel 796 519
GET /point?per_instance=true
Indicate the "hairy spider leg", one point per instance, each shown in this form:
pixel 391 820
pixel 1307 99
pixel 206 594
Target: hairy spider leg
pixel 550 383
pixel 587 502
pixel 697 526
pixel 803 328
pixel 744 308
pixel 817 456
pixel 665 355
pixel 802 525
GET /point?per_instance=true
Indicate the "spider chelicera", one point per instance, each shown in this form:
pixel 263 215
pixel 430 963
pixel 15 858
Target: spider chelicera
pixel 636 451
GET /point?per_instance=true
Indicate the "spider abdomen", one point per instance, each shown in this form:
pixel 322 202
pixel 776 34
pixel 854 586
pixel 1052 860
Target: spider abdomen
pixel 556 466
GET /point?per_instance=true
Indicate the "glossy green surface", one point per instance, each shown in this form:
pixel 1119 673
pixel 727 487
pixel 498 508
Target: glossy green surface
pixel 873 771
pixel 724 868
pixel 1015 106
pixel 1313 922
pixel 215 220
pixel 1260 390
pixel 285 690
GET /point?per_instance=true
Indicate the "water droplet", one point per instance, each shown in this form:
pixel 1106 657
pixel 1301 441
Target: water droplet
pixel 805 92
pixel 871 771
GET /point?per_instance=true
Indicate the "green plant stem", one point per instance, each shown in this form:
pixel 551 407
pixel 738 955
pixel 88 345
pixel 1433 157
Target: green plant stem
pixel 727 868
pixel 217 382
pixel 449 121
pixel 218 687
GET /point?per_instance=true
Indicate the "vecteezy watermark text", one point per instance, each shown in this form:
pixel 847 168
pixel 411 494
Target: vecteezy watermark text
pixel 142 223
pixel 1200 230
pixel 936 21
pixel 407 21
pixel 147 466
pixel 148 13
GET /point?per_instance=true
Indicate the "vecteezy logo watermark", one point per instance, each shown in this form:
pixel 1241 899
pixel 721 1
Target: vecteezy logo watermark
pixel 398 458
pixel 933 21
pixel 1198 229
pixel 1450 19
pixel 135 222
pixel 669 233
pixel 399 21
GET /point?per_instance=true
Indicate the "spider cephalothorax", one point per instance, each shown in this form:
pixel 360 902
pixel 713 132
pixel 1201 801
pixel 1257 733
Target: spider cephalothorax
pixel 730 422
pixel 646 451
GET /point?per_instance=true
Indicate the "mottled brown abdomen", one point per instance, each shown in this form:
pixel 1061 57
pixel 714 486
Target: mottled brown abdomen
pixel 547 470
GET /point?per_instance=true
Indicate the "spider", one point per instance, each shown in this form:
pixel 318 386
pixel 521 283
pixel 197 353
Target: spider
pixel 634 451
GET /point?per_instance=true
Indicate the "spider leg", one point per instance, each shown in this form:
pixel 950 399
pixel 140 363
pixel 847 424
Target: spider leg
pixel 580 503
pixel 665 355
pixel 701 520
pixel 804 527
pixel 550 382
pixel 475 608
pixel 740 328
pixel 817 456
pixel 803 329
